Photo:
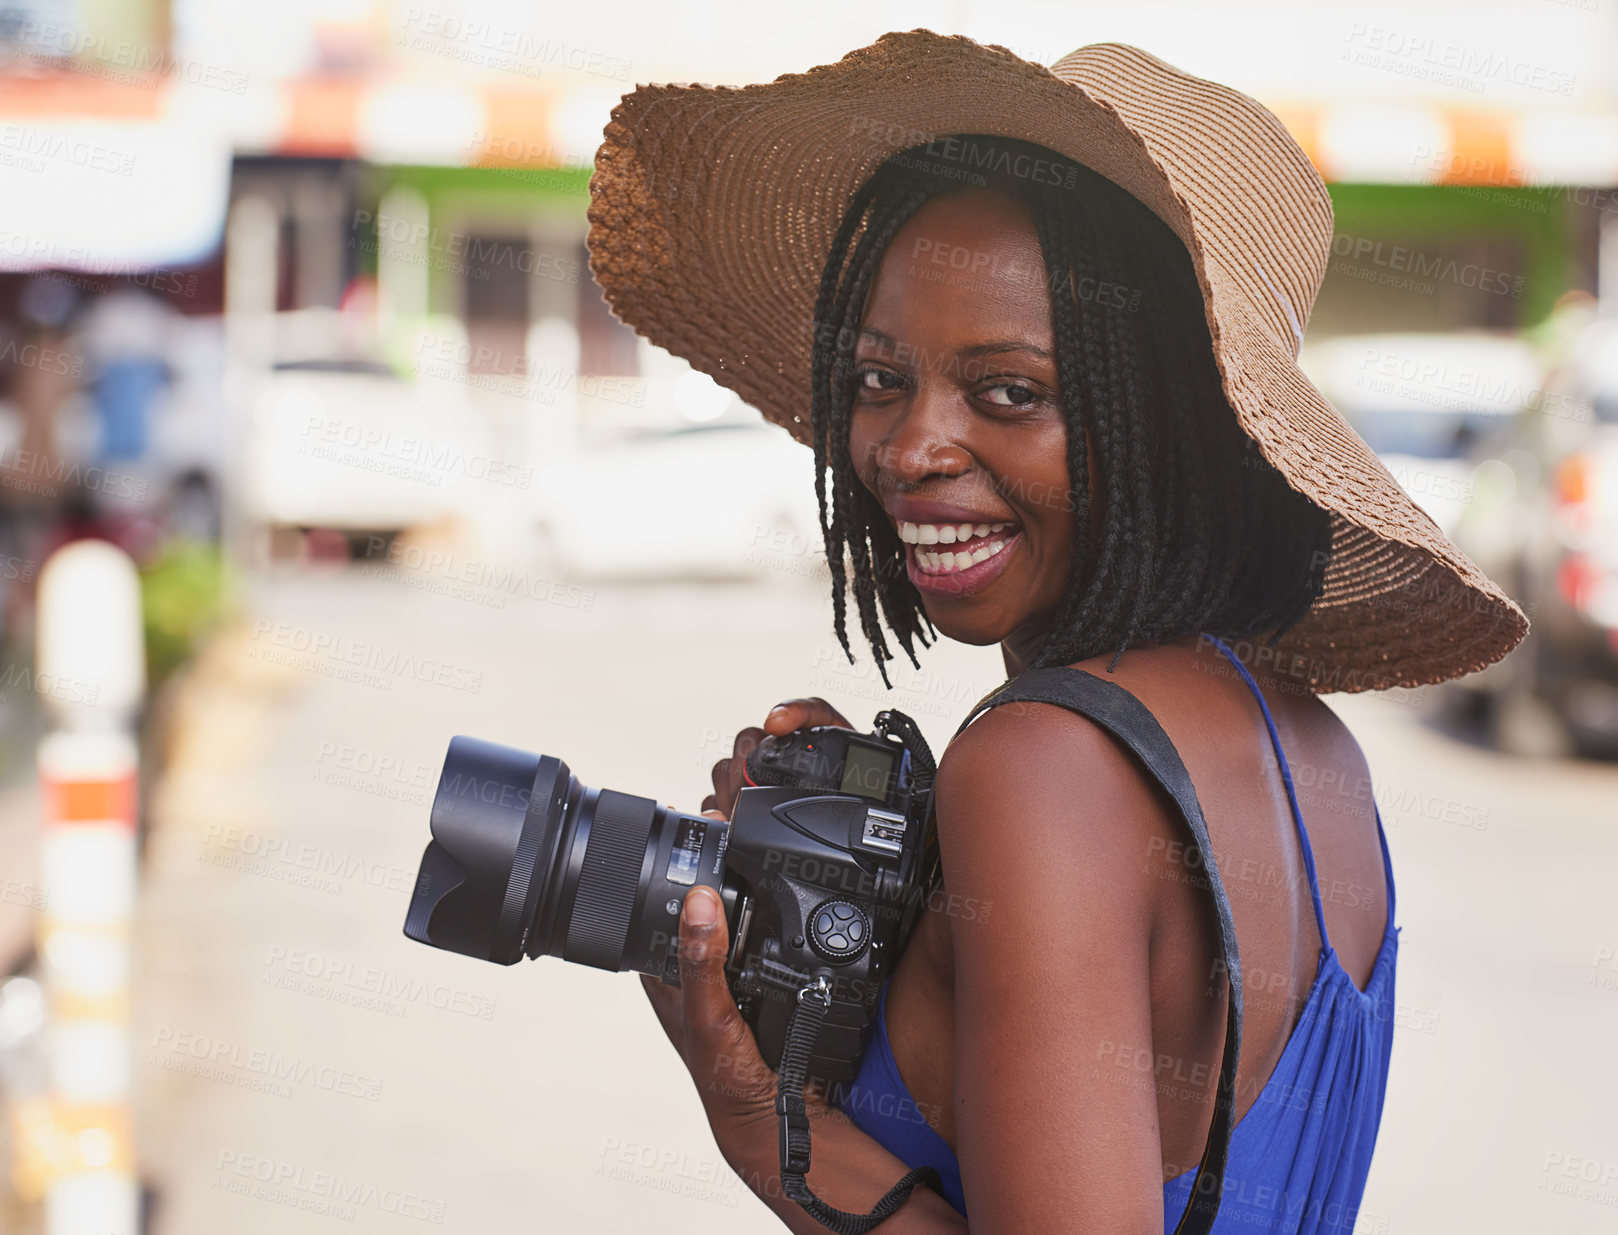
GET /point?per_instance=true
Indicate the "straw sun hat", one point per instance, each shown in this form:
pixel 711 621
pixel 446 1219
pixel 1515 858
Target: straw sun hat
pixel 712 210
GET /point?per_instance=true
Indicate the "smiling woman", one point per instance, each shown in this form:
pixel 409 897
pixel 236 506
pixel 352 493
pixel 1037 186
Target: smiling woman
pixel 1048 370
pixel 1068 341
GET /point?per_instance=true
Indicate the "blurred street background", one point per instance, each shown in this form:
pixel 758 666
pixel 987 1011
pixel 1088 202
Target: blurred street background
pixel 295 312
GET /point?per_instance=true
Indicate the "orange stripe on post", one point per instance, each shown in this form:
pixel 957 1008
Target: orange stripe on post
pixel 1480 150
pixel 89 801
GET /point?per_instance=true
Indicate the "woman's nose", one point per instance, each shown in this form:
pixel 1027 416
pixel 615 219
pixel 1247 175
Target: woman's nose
pixel 923 439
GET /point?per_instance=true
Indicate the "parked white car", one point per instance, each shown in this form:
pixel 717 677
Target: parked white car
pixel 731 498
pixel 1422 400
pixel 349 444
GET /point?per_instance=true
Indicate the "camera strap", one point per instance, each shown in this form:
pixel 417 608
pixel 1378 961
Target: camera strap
pixel 1127 718
pixel 813 1002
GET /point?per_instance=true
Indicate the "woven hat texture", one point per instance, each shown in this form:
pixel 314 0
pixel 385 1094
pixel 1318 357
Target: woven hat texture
pixel 712 210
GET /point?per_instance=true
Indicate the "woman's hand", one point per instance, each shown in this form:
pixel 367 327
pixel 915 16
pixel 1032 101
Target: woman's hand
pixel 717 1046
pixel 728 777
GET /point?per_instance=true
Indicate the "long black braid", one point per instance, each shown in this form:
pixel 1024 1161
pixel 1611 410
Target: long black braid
pixel 1199 532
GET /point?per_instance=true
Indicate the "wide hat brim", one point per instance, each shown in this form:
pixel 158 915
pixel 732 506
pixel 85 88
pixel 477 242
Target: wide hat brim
pixel 712 210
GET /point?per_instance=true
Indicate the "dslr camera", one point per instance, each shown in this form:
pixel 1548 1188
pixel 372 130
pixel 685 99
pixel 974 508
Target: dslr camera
pixel 822 869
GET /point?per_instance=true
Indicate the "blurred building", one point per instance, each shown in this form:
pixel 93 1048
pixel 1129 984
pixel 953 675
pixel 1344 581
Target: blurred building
pixel 406 182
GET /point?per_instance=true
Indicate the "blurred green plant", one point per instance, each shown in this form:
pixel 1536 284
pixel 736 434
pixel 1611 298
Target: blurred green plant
pixel 186 590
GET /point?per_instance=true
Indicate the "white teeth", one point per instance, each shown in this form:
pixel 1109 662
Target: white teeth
pixel 945 533
pixel 950 563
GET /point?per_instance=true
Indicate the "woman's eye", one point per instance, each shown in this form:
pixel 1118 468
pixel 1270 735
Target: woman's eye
pixel 878 379
pixel 1015 395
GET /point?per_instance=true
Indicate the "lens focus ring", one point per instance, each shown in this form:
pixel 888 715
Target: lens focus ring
pixel 609 880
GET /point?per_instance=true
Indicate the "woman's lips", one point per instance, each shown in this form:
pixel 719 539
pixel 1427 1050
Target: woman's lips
pixel 960 581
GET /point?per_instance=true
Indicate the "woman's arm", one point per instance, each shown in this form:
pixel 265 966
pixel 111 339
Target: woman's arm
pixel 1044 817
pixel 848 1170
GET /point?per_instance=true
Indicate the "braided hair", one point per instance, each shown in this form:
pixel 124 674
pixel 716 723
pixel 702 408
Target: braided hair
pixel 1198 531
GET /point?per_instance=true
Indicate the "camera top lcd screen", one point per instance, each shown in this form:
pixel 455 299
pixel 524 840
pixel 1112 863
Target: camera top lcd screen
pixel 867 770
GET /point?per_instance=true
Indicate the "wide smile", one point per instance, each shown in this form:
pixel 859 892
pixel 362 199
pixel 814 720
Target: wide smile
pixel 957 559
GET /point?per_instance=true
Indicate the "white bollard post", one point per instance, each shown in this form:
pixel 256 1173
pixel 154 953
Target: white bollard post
pixel 92 673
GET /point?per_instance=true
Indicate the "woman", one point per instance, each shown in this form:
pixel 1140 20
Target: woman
pixel 1052 392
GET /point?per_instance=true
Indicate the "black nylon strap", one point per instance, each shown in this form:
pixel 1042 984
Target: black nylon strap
pixel 1123 715
pixel 802 1030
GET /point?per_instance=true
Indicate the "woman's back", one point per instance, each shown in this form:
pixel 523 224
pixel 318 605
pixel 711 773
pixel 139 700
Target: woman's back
pixel 1313 1057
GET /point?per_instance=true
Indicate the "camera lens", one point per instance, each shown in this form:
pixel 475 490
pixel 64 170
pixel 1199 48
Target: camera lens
pixel 526 860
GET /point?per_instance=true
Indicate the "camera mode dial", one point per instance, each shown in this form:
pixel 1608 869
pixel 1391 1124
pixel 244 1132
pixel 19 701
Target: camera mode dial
pixel 839 930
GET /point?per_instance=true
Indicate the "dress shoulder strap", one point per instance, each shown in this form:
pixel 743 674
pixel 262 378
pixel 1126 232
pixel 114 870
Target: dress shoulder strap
pixel 1127 719
pixel 1292 794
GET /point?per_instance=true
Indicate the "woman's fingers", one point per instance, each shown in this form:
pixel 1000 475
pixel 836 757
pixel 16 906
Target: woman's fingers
pixel 719 1047
pixel 802 713
pixel 729 774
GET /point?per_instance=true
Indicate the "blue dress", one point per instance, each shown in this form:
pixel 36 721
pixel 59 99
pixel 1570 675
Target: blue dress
pixel 1300 1155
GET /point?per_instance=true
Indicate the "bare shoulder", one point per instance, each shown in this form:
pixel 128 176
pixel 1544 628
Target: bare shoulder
pixel 1037 785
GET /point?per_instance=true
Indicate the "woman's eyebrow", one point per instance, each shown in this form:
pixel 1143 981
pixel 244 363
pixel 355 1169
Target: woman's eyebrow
pixel 1004 345
pixel 977 349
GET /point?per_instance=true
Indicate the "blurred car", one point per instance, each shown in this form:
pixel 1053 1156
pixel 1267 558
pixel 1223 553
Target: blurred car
pixel 1544 525
pixel 1421 401
pixel 347 443
pixel 731 498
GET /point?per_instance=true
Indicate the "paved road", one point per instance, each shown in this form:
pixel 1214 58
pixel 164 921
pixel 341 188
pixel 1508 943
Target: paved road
pixel 302 1066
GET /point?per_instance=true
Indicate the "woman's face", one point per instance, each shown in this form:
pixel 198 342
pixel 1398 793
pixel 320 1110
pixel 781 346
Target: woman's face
pixel 956 419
